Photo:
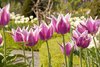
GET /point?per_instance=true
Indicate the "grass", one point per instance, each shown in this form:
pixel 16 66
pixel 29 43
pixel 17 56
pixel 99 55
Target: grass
pixel 57 56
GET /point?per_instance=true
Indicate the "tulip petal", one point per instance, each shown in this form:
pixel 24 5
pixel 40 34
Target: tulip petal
pixel 89 25
pixel 4 15
pixel 62 27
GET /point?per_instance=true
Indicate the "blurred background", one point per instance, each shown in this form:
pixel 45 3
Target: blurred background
pixel 39 8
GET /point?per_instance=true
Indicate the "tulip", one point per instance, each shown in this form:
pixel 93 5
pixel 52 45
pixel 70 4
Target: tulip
pixel 46 31
pixel 68 47
pixel 61 25
pixel 33 37
pixel 4 19
pixel 81 40
pixel 45 34
pixel 91 25
pixel 1 39
pixel 17 35
pixel 4 15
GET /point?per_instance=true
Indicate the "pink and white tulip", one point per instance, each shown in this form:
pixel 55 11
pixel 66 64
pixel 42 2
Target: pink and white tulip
pixel 81 39
pixel 90 25
pixel 61 25
pixel 4 15
pixel 33 37
pixel 68 48
pixel 46 31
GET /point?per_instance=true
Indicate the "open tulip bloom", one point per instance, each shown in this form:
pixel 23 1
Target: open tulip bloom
pixel 4 15
pixel 61 25
pixel 23 35
pixel 91 25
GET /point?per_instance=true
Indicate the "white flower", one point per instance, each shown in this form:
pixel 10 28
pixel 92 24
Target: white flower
pixel 31 17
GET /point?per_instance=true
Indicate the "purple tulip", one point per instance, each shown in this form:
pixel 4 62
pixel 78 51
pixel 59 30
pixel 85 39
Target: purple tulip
pixel 61 25
pixel 91 25
pixel 25 33
pixel 81 39
pixel 17 35
pixel 33 37
pixel 46 31
pixel 1 39
pixel 4 15
pixel 68 48
pixel 80 28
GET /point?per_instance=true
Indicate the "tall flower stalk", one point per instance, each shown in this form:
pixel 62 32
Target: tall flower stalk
pixel 32 57
pixel 45 34
pixel 4 38
pixel 67 50
pixel 80 57
pixel 23 48
pixel 49 55
pixel 64 51
pixel 61 25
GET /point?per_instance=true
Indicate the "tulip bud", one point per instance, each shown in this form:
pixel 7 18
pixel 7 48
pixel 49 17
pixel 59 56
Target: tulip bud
pixel 68 48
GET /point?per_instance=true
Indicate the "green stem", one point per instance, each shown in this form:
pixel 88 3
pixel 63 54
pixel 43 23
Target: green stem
pixel 32 57
pixel 68 62
pixel 49 55
pixel 80 57
pixel 96 51
pixel 23 46
pixel 4 37
pixel 64 51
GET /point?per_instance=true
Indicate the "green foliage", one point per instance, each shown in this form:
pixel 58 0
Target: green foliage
pixel 95 9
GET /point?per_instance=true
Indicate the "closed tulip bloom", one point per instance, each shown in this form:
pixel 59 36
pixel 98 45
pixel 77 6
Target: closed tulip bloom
pixel 33 37
pixel 61 25
pixel 81 39
pixel 68 48
pixel 91 25
pixel 46 31
pixel 4 15
pixel 1 39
